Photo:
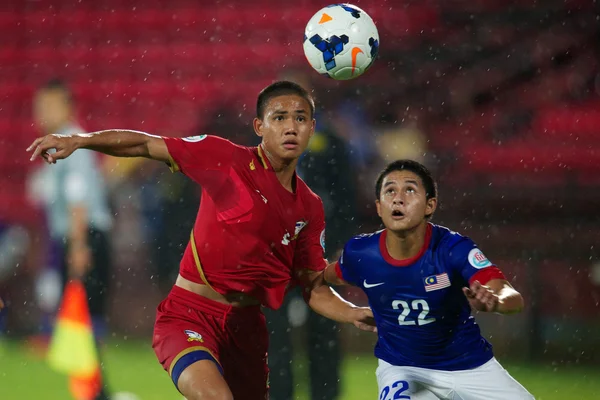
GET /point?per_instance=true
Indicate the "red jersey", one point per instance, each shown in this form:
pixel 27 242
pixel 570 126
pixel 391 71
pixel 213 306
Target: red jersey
pixel 250 233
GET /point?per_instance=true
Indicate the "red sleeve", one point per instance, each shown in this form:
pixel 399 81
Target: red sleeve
pixel 199 157
pixel 487 274
pixel 310 252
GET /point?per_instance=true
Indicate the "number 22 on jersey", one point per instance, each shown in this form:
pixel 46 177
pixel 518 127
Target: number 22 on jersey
pixel 399 387
pixel 416 305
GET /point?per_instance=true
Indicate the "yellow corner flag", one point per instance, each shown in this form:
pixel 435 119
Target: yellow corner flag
pixel 73 349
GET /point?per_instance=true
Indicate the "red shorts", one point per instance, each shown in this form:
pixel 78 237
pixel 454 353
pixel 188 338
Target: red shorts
pixel 190 328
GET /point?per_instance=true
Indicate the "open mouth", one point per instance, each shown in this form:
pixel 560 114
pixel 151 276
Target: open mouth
pixel 397 214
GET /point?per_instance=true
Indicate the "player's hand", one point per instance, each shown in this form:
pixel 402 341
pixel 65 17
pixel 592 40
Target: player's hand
pixel 364 320
pixel 79 261
pixel 481 298
pixel 63 144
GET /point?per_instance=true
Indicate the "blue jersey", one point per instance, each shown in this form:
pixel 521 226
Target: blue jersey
pixel 423 318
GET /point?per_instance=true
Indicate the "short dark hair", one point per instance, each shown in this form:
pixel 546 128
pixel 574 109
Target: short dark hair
pixel 58 84
pixel 413 166
pixel 280 88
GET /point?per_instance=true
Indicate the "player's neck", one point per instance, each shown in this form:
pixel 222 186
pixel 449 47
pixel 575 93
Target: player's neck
pixel 406 244
pixel 284 170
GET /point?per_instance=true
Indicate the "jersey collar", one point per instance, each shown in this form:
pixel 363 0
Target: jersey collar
pixel 406 262
pixel 267 165
pixel 263 158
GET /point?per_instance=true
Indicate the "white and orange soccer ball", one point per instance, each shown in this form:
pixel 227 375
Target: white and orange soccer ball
pixel 341 41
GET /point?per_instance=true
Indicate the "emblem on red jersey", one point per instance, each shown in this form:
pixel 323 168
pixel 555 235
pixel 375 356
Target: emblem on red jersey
pixel 193 139
pixel 323 239
pixel 298 228
pixel 286 238
pixel 193 336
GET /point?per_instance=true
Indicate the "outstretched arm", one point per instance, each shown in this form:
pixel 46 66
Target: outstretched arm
pixel 327 302
pixel 496 296
pixel 114 142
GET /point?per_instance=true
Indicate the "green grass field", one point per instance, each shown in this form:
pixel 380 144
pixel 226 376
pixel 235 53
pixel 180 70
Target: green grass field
pixel 132 367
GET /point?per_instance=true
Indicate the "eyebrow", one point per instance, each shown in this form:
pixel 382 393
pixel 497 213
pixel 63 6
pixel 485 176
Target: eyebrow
pixel 280 112
pixel 406 181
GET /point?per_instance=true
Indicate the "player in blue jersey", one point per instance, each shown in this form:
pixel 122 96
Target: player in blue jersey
pixel 422 280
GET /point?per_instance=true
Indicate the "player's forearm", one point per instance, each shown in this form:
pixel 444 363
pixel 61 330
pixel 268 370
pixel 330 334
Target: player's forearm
pixel 330 276
pixel 327 302
pixel 509 301
pixel 124 143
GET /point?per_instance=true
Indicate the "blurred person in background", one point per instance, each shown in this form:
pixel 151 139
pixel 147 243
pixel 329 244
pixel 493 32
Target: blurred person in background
pixel 14 246
pixel 401 135
pixel 75 200
pixel 1 307
pixel 168 212
pixel 324 167
pixel 180 198
pixel 403 140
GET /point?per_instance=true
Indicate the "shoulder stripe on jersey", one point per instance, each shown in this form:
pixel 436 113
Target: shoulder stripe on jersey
pixel 262 157
pixel 197 260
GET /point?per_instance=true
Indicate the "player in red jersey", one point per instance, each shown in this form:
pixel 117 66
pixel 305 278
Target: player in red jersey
pixel 259 230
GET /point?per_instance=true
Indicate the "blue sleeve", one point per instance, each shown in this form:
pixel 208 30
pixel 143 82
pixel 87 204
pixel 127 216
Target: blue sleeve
pixel 466 259
pixel 347 266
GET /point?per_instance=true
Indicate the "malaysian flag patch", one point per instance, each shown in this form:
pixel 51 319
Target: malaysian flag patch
pixel 436 282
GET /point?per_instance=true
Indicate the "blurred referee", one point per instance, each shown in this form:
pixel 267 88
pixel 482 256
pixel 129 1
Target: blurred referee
pixel 74 196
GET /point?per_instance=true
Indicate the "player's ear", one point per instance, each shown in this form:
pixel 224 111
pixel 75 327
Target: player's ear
pixel 378 206
pixel 431 206
pixel 257 123
pixel 313 124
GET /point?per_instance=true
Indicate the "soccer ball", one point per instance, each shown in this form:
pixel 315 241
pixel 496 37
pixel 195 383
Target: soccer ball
pixel 341 41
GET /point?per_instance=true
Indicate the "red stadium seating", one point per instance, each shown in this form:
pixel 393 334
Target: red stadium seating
pixel 531 156
pixel 571 125
pixel 165 65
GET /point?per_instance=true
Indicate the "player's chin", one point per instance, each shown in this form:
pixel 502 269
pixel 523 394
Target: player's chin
pixel 399 225
pixel 290 154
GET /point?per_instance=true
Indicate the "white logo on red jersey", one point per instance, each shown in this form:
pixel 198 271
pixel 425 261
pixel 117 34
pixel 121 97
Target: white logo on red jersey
pixel 286 238
pixel 298 228
pixel 261 195
pixel 193 336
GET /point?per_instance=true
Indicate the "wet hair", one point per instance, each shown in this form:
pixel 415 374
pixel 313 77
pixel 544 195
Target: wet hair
pixel 281 88
pixel 413 166
pixel 59 85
